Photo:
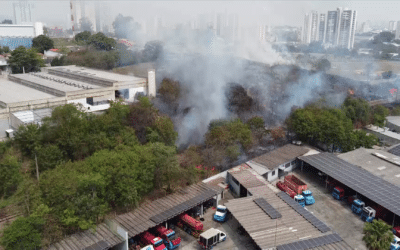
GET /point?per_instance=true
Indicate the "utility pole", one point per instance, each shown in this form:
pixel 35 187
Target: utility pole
pixel 37 168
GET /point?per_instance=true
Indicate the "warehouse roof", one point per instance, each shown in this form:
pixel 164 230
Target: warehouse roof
pixel 13 92
pixel 140 219
pixel 382 131
pixel 279 156
pixel 395 150
pixel 111 76
pixel 360 180
pixel 291 226
pixel 13 30
pixel 394 120
pixel 379 166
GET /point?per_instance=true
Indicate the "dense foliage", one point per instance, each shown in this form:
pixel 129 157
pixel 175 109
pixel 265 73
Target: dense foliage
pixel 83 37
pixel 378 235
pixel 42 43
pixel 25 59
pixel 329 126
pixel 4 49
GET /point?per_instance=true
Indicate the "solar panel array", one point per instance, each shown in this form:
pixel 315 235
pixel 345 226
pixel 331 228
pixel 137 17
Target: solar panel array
pixel 395 150
pixel 363 182
pixel 101 245
pixel 268 209
pixel 303 212
pixel 178 209
pixel 311 243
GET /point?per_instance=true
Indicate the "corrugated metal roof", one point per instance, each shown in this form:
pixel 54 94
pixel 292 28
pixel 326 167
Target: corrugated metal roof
pixel 267 232
pixel 280 156
pixel 134 222
pixel 360 180
pixel 248 179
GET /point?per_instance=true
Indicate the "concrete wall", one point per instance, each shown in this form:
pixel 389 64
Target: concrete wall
pixel 235 186
pixel 392 126
pixel 387 139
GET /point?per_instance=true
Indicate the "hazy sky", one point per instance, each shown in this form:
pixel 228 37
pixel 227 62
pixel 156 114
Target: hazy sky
pixel 56 12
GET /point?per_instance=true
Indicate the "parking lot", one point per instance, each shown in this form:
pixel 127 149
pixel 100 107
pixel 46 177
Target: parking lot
pixel 336 214
pixel 236 240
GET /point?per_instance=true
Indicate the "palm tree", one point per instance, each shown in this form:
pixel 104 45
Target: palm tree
pixel 378 235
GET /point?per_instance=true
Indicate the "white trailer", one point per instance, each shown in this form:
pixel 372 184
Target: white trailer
pixel 211 237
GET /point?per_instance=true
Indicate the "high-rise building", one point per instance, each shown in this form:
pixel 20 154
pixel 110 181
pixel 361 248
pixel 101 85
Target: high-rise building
pixel 398 30
pixel 392 25
pixel 322 28
pixel 331 27
pixel 347 28
pixel 310 31
pixel 23 12
pixel 365 27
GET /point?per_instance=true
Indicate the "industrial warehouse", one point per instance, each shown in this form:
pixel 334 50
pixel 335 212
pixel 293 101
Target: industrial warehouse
pixel 24 95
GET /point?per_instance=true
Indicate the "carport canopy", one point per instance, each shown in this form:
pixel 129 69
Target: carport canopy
pixel 372 187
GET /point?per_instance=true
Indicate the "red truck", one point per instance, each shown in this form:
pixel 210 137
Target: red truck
pixel 282 186
pixel 169 237
pixel 295 184
pixel 147 238
pixel 190 225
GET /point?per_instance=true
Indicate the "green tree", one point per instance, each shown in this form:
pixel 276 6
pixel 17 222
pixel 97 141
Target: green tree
pixel 59 61
pixel 169 91
pixel 23 233
pixel 378 235
pixel 384 37
pixel 42 43
pixel 9 174
pixel 83 37
pixel 102 42
pixel 379 114
pixel 162 131
pixel 4 49
pixel 27 138
pixel 48 157
pixel 25 59
pixel 357 109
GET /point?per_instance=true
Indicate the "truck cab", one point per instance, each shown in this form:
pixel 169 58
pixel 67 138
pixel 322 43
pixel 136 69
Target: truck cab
pixel 396 231
pixel 211 237
pixel 147 238
pixel 308 197
pixel 357 206
pixel 300 199
pixel 169 237
pixel 368 214
pixel 338 193
pixel 395 244
pixel 220 214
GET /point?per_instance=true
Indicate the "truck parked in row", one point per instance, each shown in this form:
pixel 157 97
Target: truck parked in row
pixel 357 206
pixel 298 198
pixel 211 237
pixel 295 184
pixel 147 238
pixel 220 214
pixel 169 237
pixel 190 225
pixel 395 244
pixel 308 197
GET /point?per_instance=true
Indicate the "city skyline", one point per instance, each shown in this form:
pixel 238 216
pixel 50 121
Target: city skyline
pixel 272 13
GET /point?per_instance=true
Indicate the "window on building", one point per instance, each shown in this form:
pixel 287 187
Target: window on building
pixel 293 163
pixel 287 165
pixel 273 173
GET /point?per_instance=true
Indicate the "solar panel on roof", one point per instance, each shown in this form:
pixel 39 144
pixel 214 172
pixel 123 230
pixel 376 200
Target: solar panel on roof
pixel 311 243
pixel 267 208
pixel 303 212
pixel 360 180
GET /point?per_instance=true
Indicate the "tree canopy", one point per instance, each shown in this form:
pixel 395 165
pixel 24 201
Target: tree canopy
pixel 83 36
pixel 25 59
pixel 6 21
pixel 4 49
pixel 322 65
pixel 86 24
pixel 124 26
pixel 42 43
pixel 378 235
pixel 357 109
pixel 101 41
pixel 329 126
pixel 152 51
